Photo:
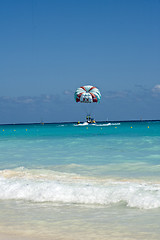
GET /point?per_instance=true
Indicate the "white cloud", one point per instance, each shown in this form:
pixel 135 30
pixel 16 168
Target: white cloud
pixel 156 88
pixel 26 100
pixel 115 94
pixel 68 92
pixel 32 100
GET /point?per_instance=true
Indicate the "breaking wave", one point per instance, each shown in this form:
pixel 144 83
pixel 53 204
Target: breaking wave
pixel 39 185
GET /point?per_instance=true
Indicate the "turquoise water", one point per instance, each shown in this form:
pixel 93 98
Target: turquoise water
pixel 65 179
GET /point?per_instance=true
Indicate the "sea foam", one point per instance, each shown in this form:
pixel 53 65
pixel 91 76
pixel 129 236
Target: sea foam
pixel 65 188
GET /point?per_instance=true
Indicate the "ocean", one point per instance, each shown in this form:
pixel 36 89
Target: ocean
pixel 66 181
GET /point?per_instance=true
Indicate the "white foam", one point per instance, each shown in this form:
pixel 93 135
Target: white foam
pixel 81 124
pixel 97 124
pixel 107 124
pixel 48 186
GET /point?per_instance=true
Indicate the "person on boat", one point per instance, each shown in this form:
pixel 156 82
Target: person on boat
pixel 90 120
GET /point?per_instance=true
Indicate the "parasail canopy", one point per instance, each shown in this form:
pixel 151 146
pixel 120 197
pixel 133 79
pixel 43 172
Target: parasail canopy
pixel 87 94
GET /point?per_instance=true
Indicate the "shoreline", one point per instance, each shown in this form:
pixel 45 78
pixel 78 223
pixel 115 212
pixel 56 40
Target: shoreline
pixel 111 235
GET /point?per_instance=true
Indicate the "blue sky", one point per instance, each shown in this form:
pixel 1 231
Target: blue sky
pixel 49 48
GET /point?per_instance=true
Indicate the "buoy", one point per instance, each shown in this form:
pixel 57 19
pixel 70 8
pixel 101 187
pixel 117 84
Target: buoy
pixel 115 127
pixel 148 126
pixel 26 129
pixel 131 127
pixel 86 127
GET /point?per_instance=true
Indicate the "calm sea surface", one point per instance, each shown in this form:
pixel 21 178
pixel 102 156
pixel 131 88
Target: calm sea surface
pixel 69 181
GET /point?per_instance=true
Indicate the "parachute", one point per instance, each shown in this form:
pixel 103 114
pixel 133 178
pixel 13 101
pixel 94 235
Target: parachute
pixel 87 94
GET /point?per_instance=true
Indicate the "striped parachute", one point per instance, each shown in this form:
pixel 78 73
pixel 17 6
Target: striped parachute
pixel 87 94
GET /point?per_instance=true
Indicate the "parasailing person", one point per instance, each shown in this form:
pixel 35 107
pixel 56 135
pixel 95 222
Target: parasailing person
pixel 88 94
